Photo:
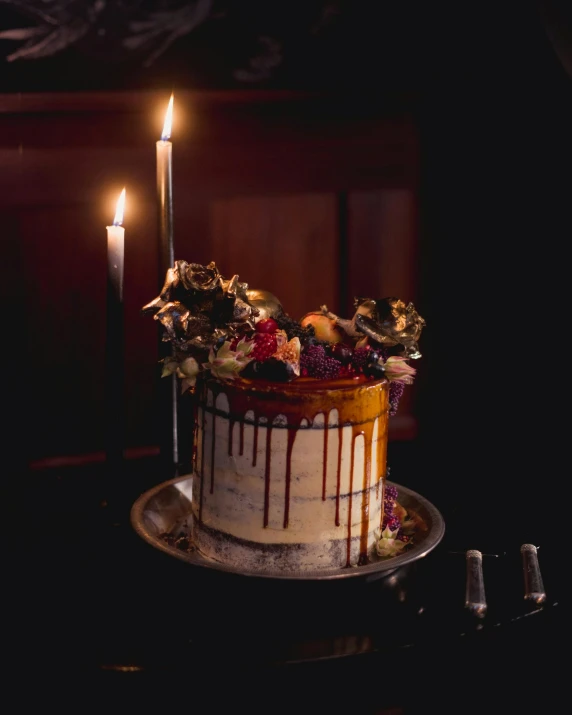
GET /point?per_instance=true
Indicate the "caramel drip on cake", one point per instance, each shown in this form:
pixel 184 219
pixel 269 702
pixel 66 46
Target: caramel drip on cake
pixel 325 466
pixel 350 495
pixel 367 432
pixel 213 443
pixel 381 459
pixel 195 448
pixel 339 474
pixel 291 438
pixel 267 473
pixel 204 425
pixel 255 443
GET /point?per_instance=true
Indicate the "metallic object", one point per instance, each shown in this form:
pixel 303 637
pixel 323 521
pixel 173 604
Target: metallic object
pixel 166 509
pixel 475 599
pixel 533 586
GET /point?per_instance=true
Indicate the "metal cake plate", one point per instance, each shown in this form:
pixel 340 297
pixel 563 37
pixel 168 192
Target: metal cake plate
pixel 166 510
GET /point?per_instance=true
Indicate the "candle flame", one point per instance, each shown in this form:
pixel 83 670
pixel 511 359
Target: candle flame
pixel 120 210
pixel 166 135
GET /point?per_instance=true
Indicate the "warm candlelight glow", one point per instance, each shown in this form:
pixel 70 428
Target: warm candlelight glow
pixel 120 210
pixel 167 126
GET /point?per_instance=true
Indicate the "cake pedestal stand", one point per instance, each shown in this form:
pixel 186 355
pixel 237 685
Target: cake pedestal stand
pixel 166 510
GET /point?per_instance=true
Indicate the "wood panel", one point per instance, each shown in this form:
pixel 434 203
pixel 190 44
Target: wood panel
pixel 286 244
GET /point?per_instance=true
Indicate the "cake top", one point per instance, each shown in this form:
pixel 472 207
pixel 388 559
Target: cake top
pixel 221 327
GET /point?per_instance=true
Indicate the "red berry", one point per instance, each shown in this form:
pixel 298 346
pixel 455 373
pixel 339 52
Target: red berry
pixel 267 325
pixel 265 346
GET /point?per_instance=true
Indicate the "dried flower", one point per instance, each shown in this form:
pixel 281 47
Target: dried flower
pixel 201 278
pixel 396 368
pixel 388 543
pixel 226 364
pixel 188 370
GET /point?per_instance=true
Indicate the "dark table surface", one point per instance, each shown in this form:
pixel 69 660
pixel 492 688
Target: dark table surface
pixel 98 611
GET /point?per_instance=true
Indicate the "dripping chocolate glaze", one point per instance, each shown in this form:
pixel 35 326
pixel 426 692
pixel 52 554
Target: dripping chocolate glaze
pixel 358 402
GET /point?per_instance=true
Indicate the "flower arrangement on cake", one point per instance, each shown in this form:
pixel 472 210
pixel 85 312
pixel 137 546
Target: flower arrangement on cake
pixel 225 334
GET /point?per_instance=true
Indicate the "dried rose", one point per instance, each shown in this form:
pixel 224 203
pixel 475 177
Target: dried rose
pixel 202 278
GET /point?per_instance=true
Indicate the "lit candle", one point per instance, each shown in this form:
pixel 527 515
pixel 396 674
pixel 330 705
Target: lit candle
pixel 114 349
pixel 116 248
pixel 168 388
pixel 165 195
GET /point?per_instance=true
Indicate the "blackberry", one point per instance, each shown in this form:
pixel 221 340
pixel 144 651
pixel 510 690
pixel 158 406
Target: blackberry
pixel 312 341
pixel 272 369
pixel 315 363
pixel 374 370
pixel 293 328
pixel 396 390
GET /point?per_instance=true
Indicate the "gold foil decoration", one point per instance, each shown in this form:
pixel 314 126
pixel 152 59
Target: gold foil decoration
pixel 390 321
pixel 267 303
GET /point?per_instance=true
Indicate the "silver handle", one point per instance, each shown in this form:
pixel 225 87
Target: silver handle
pixel 475 599
pixel 533 586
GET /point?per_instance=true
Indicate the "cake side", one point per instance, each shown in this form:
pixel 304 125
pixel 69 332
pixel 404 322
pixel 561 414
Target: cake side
pixel 290 476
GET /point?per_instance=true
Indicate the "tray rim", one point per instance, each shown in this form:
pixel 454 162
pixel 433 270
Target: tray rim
pixel 382 567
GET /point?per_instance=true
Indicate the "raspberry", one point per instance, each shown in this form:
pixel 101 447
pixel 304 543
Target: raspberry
pixel 293 328
pixel 265 346
pixel 267 325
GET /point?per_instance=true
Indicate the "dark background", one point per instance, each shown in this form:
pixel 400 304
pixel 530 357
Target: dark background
pixel 311 45
pixel 491 99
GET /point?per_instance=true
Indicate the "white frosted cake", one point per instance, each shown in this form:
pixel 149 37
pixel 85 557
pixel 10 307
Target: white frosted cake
pixel 290 477
pixel 290 433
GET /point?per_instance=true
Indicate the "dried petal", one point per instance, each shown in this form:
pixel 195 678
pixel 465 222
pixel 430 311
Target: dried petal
pixel 397 369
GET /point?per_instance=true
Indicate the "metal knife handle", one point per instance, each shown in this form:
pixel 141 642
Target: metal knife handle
pixel 475 599
pixel 533 586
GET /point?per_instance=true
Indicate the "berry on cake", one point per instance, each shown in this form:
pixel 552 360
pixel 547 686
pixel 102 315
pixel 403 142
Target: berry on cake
pixel 291 421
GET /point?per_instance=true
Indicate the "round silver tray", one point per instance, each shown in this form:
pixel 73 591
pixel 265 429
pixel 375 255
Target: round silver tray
pixel 166 509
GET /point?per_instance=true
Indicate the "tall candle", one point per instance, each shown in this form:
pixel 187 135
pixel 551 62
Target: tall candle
pixel 116 250
pixel 168 389
pixel 114 348
pixel 165 195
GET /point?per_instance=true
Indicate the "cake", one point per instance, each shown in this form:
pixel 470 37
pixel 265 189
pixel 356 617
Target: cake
pixel 291 419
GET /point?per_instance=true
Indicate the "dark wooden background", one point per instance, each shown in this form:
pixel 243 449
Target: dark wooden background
pixel 312 196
